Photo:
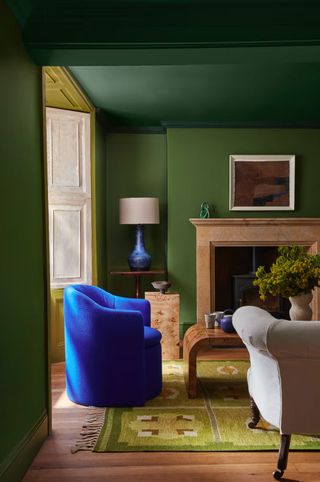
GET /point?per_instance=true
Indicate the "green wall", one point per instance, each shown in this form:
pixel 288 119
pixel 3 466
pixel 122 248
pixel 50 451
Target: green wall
pixel 184 168
pixel 136 166
pixel 23 353
pixel 101 207
pixel 198 170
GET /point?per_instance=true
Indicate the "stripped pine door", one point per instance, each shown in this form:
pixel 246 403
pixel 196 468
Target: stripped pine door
pixel 69 204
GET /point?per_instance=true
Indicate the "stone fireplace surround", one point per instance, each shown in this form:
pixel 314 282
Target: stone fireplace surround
pixel 226 232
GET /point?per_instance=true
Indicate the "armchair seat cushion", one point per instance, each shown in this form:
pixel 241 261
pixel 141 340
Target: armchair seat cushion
pixel 152 337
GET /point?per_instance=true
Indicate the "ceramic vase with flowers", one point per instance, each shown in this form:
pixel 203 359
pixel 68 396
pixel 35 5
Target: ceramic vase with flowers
pixel 293 275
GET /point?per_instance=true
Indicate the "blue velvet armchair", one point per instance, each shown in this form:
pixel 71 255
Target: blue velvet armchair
pixel 113 356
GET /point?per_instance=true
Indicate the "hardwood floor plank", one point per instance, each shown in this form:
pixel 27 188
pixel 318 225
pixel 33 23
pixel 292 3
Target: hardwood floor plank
pixel 187 473
pixel 56 463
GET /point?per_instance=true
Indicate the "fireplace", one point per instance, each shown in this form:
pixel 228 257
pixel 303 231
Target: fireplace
pixel 234 272
pixel 214 234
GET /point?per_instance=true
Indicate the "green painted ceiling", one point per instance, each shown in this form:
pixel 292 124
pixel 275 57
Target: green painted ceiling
pixel 221 94
pixel 222 62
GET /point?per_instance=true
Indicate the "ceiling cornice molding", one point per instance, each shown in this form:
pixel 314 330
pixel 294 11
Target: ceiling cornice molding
pixel 168 28
pixel 99 54
pixel 157 21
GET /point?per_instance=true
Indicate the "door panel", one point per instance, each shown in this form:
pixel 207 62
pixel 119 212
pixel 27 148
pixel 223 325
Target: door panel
pixel 69 243
pixel 66 156
pixel 69 203
pixel 68 152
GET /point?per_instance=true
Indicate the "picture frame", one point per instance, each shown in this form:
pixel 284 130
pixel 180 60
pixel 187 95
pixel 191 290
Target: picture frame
pixel 261 182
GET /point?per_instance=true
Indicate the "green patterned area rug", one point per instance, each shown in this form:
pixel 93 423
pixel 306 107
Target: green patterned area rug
pixel 216 421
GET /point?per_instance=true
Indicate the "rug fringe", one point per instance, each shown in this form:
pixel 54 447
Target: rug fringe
pixel 90 432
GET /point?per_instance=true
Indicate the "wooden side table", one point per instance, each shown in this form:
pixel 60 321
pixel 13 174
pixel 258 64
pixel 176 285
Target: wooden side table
pixel 137 275
pixel 196 337
pixel 165 314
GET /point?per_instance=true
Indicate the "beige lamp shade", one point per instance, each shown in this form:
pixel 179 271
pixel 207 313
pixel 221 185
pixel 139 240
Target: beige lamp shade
pixel 139 210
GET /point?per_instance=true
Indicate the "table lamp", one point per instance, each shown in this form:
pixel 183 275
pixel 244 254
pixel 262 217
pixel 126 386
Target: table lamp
pixel 139 211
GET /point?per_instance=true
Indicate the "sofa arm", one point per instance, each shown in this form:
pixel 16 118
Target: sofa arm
pixel 281 338
pixel 252 325
pixel 294 339
pixel 137 304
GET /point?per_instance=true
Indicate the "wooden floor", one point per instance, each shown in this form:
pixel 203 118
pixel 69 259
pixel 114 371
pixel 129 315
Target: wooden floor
pixel 55 463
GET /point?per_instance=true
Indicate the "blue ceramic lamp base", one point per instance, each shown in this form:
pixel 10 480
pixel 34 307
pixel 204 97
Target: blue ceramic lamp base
pixel 139 259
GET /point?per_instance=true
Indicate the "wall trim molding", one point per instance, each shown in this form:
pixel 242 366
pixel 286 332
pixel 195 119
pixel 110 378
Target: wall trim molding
pixel 165 125
pixel 18 461
pixel 241 125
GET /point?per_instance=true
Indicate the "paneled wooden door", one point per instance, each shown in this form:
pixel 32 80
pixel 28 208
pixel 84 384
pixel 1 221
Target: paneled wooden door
pixel 69 204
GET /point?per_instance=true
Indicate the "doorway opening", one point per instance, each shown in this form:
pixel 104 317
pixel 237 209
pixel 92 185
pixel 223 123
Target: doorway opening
pixel 69 129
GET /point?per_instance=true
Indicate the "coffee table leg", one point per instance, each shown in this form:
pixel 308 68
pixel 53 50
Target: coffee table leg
pixel 191 372
pixel 195 337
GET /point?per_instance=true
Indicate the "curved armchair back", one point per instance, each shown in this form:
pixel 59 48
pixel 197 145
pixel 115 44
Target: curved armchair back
pixel 284 372
pixel 100 296
pixel 103 298
pixel 105 347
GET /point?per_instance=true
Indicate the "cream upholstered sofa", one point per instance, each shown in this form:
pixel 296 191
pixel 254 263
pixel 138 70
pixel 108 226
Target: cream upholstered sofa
pixel 283 378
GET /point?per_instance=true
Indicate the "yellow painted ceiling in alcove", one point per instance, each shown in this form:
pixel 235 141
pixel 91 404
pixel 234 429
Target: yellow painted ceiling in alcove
pixel 62 92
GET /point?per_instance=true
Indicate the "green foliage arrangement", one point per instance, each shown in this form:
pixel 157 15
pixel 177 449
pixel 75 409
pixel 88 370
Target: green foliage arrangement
pixel 294 272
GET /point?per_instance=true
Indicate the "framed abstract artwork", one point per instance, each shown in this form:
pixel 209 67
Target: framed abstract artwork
pixel 261 183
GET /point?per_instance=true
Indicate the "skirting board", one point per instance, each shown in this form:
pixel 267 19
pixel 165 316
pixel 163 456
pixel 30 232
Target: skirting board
pixel 19 460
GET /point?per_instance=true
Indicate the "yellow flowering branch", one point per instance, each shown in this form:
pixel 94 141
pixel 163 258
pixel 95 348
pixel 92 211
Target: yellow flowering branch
pixel 294 272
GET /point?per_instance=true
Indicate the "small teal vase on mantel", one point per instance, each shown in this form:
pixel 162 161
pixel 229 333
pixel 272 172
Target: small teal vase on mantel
pixel 139 259
pixel 300 307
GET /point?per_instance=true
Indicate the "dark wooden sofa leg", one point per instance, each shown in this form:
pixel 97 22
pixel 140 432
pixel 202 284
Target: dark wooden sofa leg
pixel 255 414
pixel 283 456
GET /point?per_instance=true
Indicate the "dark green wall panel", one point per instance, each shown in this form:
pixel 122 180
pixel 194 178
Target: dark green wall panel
pixel 198 170
pixel 136 166
pixel 23 371
pixel 101 207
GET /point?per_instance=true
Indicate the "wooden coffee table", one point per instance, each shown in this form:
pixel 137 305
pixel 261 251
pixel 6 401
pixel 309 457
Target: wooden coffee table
pixel 196 337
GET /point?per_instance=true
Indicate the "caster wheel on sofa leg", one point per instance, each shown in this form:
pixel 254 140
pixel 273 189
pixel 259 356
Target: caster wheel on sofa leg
pixel 277 474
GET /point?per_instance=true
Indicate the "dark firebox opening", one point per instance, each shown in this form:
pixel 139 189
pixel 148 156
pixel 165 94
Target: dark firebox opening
pixel 235 269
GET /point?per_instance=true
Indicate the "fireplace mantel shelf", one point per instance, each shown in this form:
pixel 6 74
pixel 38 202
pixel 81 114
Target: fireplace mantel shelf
pixel 215 232
pixel 254 221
